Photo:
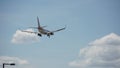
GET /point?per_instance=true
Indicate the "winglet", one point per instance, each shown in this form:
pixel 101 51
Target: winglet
pixel 65 26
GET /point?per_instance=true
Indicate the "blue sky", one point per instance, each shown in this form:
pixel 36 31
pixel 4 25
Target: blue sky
pixel 86 21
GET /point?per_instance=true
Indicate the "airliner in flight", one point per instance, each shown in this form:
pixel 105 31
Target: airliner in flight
pixel 42 31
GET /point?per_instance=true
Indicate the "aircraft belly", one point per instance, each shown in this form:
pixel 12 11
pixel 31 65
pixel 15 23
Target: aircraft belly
pixel 43 32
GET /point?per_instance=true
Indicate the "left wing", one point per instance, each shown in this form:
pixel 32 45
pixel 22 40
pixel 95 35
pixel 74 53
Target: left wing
pixel 59 29
pixel 30 32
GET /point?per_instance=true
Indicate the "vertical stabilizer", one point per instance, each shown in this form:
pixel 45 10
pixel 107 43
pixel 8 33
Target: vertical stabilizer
pixel 38 22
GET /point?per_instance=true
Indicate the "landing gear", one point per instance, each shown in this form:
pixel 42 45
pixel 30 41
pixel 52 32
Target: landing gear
pixel 48 35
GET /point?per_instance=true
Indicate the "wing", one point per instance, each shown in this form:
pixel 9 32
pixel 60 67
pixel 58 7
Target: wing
pixel 30 32
pixel 59 29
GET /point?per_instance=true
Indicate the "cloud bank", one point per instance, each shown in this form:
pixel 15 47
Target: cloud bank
pixel 16 60
pixel 23 37
pixel 101 53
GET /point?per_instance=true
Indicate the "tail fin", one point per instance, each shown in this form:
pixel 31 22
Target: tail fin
pixel 38 22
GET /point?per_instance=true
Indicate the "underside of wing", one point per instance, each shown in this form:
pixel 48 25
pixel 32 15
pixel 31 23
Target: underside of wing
pixel 30 32
pixel 39 34
pixel 59 29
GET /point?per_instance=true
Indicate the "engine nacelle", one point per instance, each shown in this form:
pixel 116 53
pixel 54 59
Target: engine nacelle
pixel 51 33
pixel 39 35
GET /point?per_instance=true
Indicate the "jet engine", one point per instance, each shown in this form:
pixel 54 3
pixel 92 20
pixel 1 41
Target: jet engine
pixel 39 34
pixel 51 33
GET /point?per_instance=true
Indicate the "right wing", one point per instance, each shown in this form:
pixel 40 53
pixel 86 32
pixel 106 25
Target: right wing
pixel 59 29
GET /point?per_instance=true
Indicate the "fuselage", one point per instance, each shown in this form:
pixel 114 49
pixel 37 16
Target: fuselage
pixel 43 31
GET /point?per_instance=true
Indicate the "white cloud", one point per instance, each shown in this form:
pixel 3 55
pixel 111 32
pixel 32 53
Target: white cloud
pixel 102 53
pixel 16 60
pixel 24 37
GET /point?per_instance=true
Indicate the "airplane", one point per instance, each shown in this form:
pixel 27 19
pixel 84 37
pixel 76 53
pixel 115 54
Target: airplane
pixel 42 31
